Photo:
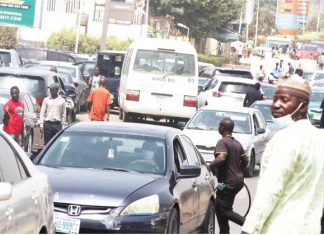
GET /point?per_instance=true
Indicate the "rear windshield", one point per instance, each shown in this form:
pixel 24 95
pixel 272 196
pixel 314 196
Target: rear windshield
pixel 234 73
pixel 5 59
pixel 268 91
pixel 60 68
pixel 265 110
pixel 240 88
pixel 125 152
pixel 24 83
pixel 308 48
pixel 160 62
pixel 317 96
pixel 319 76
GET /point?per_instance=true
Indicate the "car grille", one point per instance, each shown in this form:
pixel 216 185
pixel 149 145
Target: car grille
pixel 202 147
pixel 85 209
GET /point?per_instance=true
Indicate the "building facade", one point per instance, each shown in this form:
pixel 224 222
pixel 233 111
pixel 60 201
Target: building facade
pixel 127 19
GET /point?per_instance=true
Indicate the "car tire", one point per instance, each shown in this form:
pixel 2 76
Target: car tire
pixel 208 226
pixel 29 143
pixel 126 116
pixel 249 171
pixel 73 116
pixel 120 115
pixel 173 222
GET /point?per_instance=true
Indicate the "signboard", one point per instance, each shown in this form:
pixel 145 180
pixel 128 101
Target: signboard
pixel 17 12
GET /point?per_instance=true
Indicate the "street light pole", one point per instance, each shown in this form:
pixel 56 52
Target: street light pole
pixel 319 17
pixel 105 23
pixel 257 25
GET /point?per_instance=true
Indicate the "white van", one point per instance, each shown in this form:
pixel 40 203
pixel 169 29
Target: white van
pixel 159 80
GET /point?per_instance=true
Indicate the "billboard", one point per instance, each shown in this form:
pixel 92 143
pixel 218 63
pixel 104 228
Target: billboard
pixel 291 14
pixel 17 12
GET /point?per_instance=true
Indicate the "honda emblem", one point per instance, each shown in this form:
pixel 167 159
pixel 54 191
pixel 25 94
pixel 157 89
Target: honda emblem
pixel 74 210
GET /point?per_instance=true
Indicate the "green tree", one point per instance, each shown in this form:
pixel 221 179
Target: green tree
pixel 114 44
pixel 63 39
pixel 203 17
pixel 8 37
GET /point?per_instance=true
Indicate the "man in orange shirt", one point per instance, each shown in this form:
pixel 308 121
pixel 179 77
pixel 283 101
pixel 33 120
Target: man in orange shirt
pixel 99 103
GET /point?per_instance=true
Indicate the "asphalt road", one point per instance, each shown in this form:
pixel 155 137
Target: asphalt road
pixel 242 199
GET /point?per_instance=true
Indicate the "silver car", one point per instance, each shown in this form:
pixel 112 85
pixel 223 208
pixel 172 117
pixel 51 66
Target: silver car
pixel 250 130
pixel 26 204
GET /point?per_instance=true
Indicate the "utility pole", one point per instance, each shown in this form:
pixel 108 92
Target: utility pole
pixel 257 25
pixel 304 15
pixel 105 23
pixel 319 17
pixel 241 18
pixel 78 32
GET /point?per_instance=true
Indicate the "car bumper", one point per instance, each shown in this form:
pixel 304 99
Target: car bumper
pixel 123 224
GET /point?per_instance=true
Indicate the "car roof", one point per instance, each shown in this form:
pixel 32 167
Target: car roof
pixel 266 84
pixel 111 52
pixel 6 93
pixel 232 69
pixel 57 63
pixel 26 72
pixel 263 102
pixel 237 109
pixel 235 79
pixel 120 127
pixel 164 45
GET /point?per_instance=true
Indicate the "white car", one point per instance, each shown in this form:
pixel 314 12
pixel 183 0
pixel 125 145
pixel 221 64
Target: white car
pixel 26 203
pixel 250 130
pixel 229 89
pixel 317 75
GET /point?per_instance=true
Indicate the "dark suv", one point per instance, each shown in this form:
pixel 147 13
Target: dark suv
pixel 32 55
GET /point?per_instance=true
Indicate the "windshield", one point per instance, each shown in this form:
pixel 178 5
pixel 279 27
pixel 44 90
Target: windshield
pixel 30 53
pixel 234 73
pixel 24 83
pixel 268 91
pixel 317 96
pixel 159 62
pixel 265 110
pixel 105 150
pixel 234 87
pixel 319 76
pixel 66 78
pixel 5 59
pixel 209 120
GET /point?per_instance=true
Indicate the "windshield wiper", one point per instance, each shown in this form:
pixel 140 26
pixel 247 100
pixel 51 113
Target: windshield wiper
pixel 116 169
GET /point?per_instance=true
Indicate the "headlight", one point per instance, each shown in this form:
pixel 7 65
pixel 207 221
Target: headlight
pixel 145 206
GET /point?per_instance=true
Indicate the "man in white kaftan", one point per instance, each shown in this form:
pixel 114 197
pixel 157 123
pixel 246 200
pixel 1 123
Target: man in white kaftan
pixel 290 191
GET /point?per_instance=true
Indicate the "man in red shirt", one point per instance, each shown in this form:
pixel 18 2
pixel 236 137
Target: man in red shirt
pixel 99 103
pixel 13 112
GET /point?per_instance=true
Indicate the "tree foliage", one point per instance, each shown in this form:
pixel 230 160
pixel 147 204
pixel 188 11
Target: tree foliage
pixel 203 17
pixel 65 39
pixel 8 37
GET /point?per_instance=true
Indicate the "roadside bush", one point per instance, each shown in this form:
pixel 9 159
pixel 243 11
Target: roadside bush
pixel 88 44
pixel 8 37
pixel 215 60
pixel 63 39
pixel 120 45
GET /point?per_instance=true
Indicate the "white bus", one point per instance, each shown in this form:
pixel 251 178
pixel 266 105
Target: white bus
pixel 159 80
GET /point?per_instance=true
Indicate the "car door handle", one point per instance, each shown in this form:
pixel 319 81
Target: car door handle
pixel 35 198
pixel 194 185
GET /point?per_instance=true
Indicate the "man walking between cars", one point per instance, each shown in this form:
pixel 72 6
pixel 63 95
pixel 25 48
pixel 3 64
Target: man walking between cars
pixel 52 114
pixel 230 161
pixel 99 103
pixel 253 95
pixel 13 116
pixel 94 79
pixel 290 191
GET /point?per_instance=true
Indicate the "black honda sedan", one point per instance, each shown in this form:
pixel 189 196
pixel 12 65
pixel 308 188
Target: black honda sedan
pixel 128 178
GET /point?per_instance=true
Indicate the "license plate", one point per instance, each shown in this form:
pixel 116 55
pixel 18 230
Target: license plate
pixel 66 225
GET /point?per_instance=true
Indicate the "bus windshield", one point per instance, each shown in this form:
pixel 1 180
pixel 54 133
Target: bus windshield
pixel 161 62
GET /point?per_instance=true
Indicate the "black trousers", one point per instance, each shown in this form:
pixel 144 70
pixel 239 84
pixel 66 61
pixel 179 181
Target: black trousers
pixel 50 130
pixel 224 209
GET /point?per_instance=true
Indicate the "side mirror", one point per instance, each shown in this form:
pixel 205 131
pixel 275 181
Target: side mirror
pixel 181 125
pixel 189 172
pixel 260 131
pixel 5 191
pixel 76 84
